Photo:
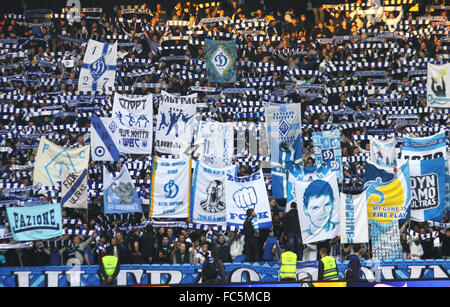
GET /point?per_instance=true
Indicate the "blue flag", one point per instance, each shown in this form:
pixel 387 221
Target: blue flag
pixel 221 61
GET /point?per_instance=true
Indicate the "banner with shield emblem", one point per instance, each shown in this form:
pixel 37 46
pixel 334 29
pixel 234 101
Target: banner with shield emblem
pixel 221 61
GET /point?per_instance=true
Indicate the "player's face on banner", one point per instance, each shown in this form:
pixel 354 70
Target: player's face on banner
pixel 319 210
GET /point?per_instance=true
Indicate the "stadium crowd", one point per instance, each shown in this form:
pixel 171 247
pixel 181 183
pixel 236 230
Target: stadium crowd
pixel 315 45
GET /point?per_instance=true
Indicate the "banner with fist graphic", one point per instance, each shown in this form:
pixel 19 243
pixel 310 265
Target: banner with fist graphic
pixel 170 188
pixel 242 193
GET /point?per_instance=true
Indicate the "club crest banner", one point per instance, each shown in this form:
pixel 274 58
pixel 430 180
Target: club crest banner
pixel 438 85
pixel 429 147
pixel 220 61
pixel 391 200
pixel 175 124
pixel 75 190
pixel 33 223
pixel 318 208
pixel 327 150
pixel 52 160
pixel 242 193
pixel 354 220
pixel 119 193
pixel 216 143
pixel 135 123
pixel 427 189
pixel 383 153
pixel 170 188
pixel 98 72
pixel 283 127
pixel 208 194
pixel 104 139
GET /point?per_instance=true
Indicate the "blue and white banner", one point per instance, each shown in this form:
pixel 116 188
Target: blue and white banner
pixel 383 153
pixel 104 139
pixel 175 124
pixel 354 220
pixel 447 183
pixel 119 193
pixel 385 239
pixel 35 222
pixel 318 208
pixel 134 116
pixel 170 188
pixel 429 147
pixel 438 85
pixel 52 160
pixel 208 194
pixel 215 143
pixel 98 72
pixel 220 61
pixel 427 189
pixel 373 173
pixel 242 193
pixel 75 190
pixel 327 150
pixel 283 127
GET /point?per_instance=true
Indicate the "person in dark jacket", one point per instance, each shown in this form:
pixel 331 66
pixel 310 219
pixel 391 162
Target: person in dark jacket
pixel 446 245
pixel 354 264
pixel 181 254
pixel 251 233
pixel 292 230
pixel 223 249
pixel 148 244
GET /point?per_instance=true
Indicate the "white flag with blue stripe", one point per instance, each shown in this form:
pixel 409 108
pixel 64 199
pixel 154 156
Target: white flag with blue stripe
pixel 75 190
pixel 98 71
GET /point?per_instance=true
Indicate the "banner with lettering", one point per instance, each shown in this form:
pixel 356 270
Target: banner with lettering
pixel 318 208
pixel 119 193
pixel 242 193
pixel 327 150
pixel 215 143
pixel 383 153
pixel 429 147
pixel 208 194
pixel 175 124
pixel 438 85
pixel 75 190
pixel 390 200
pixel 98 72
pixel 170 188
pixel 33 223
pixel 52 160
pixel 220 61
pixel 104 139
pixel 354 220
pixel 427 189
pixel 135 121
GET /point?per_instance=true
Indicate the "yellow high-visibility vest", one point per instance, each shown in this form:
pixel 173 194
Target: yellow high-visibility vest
pixel 330 271
pixel 288 267
pixel 110 264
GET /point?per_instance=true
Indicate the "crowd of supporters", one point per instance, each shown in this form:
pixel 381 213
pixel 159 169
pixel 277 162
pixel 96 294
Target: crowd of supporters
pixel 300 46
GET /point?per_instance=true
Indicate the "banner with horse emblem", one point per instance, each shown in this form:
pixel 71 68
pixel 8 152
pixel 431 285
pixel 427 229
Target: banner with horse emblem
pixel 170 188
pixel 438 85
pixel 175 124
pixel 98 72
pixel 119 193
pixel 208 194
pixel 221 61
pixel 52 160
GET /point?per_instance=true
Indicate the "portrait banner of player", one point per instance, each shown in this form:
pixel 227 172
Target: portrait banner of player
pixel 242 193
pixel 208 194
pixel 175 124
pixel 119 193
pixel 318 208
pixel 170 189
pixel 382 152
pixel 438 85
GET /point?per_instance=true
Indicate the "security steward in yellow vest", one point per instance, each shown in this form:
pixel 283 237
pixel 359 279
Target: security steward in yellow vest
pixel 288 265
pixel 109 269
pixel 327 267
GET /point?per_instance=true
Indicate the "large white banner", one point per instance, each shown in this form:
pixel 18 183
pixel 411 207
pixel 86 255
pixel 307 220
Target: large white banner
pixel 242 193
pixel 208 194
pixel 74 190
pixel 438 85
pixel 382 152
pixel 170 189
pixel 424 148
pixel 98 72
pixel 215 143
pixel 354 224
pixel 134 117
pixel 52 160
pixel 318 208
pixel 175 124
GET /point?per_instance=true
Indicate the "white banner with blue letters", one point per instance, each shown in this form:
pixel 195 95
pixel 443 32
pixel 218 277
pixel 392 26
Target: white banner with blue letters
pixel 354 224
pixel 216 143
